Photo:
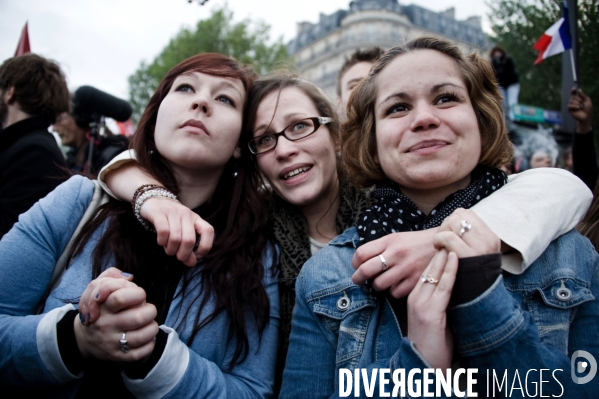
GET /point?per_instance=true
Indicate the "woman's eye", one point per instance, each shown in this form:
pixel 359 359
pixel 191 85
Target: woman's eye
pixel 264 140
pixel 300 126
pixel 225 100
pixel 184 87
pixel 446 98
pixel 396 108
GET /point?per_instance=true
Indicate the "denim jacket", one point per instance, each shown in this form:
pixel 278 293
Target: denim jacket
pixel 29 354
pixel 535 320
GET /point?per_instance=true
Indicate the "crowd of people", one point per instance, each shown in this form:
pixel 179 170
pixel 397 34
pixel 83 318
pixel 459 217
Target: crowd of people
pixel 259 239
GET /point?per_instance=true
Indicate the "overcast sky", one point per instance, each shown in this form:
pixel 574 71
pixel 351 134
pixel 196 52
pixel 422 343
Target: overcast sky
pixel 101 43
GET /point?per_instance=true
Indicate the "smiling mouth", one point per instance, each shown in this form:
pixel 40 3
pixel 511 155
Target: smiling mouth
pixel 427 144
pixel 296 172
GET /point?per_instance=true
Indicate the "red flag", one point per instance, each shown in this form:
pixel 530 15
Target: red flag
pixel 23 47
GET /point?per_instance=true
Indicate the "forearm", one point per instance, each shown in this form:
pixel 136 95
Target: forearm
pixel 123 175
pixel 533 209
pixel 30 355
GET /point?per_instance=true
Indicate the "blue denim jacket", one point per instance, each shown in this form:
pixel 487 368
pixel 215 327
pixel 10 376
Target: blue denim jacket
pixel 29 354
pixel 535 320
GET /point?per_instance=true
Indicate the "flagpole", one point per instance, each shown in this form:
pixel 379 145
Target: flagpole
pixel 573 68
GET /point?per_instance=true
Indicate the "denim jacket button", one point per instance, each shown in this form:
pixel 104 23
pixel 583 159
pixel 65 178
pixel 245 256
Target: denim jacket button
pixel 343 303
pixel 563 294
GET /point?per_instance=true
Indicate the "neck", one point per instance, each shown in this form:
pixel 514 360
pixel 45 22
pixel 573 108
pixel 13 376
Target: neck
pixel 426 200
pixel 14 115
pixel 195 187
pixel 322 215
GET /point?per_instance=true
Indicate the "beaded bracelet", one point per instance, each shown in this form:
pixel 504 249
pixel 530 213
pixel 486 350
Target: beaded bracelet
pixel 140 190
pixel 141 199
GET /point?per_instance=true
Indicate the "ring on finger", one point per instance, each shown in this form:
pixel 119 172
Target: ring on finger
pixel 430 280
pixel 465 227
pixel 383 262
pixel 124 344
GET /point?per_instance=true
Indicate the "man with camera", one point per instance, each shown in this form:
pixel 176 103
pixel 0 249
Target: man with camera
pixel 83 126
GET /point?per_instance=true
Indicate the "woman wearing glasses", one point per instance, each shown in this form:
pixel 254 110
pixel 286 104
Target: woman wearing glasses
pixel 296 144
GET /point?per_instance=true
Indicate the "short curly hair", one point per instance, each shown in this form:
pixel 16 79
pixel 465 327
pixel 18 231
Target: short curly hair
pixel 40 87
pixel 358 133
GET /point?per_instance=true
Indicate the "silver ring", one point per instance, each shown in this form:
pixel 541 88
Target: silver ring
pixel 430 280
pixel 383 262
pixel 124 346
pixel 465 227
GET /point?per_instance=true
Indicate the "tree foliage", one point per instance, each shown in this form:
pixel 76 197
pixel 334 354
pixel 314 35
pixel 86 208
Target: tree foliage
pixel 518 24
pixel 245 41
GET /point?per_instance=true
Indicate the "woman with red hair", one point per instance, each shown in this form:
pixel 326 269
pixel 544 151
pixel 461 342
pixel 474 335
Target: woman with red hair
pixel 161 329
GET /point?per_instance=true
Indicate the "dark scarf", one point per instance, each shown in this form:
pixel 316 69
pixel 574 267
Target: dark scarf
pixel 290 230
pixel 393 212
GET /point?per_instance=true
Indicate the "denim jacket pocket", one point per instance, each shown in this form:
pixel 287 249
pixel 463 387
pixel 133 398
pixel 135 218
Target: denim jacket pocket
pixel 346 310
pixel 555 311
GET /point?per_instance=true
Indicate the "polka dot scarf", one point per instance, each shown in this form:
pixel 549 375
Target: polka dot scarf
pixel 393 212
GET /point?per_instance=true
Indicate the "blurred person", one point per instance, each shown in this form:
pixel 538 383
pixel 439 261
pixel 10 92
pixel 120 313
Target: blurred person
pixel 161 329
pixel 584 158
pixel 353 71
pixel 540 159
pixel 33 92
pixel 506 75
pixel 75 132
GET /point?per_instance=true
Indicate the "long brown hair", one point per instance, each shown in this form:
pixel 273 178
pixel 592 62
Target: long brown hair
pixel 232 273
pixel 358 134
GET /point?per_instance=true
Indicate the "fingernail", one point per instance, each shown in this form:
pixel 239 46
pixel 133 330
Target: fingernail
pixel 125 274
pixel 81 318
pixel 97 295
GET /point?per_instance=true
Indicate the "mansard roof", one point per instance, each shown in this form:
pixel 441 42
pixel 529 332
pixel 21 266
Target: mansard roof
pixel 442 23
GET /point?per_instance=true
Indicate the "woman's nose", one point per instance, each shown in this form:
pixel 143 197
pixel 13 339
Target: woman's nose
pixel 285 148
pixel 201 103
pixel 424 117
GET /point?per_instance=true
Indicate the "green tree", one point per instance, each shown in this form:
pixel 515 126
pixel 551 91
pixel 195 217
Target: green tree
pixel 518 24
pixel 245 41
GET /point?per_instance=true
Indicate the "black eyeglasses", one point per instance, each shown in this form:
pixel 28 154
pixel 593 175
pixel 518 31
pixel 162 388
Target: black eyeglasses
pixel 296 131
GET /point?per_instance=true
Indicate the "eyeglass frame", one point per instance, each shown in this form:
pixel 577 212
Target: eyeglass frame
pixel 318 122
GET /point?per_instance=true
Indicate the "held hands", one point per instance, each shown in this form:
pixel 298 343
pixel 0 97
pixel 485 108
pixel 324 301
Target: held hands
pixel 177 228
pixel 463 234
pixel 123 309
pixel 406 255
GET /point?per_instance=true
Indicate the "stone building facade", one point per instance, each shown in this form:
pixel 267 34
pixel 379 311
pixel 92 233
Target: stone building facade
pixel 319 50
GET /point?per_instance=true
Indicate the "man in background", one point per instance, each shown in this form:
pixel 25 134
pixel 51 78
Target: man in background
pixel 353 71
pixel 33 92
pixel 74 131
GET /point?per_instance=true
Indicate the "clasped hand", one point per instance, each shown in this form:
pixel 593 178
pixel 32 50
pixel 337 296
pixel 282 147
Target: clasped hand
pixel 110 305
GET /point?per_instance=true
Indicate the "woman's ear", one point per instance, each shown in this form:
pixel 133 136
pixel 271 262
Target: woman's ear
pixel 237 153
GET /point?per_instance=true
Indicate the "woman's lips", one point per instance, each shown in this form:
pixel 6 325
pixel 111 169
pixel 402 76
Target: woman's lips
pixel 427 147
pixel 195 126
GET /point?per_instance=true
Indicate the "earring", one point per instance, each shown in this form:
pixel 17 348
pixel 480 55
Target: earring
pixel 151 152
pixel 235 172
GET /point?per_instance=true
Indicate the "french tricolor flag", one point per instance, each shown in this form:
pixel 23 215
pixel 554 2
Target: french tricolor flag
pixel 556 39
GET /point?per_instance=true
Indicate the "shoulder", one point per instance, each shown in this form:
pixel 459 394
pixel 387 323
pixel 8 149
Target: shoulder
pixel 570 256
pixel 67 202
pixel 38 149
pixel 331 266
